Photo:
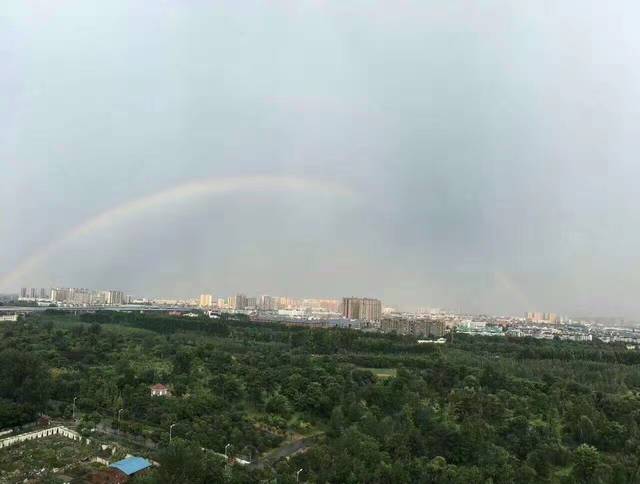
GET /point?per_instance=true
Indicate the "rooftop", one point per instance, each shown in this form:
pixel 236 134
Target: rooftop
pixel 131 465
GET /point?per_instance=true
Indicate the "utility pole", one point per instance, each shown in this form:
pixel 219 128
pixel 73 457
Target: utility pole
pixel 170 430
pixel 74 407
pixel 298 475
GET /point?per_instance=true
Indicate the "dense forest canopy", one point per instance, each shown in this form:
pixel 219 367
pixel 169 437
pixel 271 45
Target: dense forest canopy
pixel 369 407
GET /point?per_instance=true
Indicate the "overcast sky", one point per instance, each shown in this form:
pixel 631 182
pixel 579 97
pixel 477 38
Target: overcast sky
pixel 476 155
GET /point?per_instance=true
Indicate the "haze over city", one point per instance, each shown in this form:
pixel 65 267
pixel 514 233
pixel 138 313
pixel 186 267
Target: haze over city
pixel 467 157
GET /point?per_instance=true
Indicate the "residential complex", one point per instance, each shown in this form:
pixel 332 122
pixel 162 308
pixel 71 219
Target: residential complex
pixel 35 293
pixel 206 300
pixel 239 301
pixel 538 317
pixel 364 309
pixel 74 296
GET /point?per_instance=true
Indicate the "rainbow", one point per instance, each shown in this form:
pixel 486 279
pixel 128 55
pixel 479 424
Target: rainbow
pixel 184 192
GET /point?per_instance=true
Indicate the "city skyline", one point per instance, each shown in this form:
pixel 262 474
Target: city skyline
pixel 351 307
pixel 256 300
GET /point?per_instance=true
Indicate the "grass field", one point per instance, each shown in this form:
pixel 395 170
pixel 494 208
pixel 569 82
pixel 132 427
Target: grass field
pixel 383 372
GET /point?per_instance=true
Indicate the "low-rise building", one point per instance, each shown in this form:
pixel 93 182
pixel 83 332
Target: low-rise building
pixel 121 471
pixel 160 390
pixel 414 327
pixel 439 341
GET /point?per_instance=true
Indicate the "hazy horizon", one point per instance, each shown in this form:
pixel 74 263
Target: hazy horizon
pixel 474 156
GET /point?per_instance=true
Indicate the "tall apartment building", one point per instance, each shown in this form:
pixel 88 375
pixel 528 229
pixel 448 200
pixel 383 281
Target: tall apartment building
pixel 371 310
pixel 538 317
pixel 60 294
pixel 267 303
pixel 365 309
pixel 351 307
pixel 239 301
pixel 79 296
pixel 207 300
pixel 99 297
pixel 34 293
pixel 331 305
pixel 285 302
pixel 115 297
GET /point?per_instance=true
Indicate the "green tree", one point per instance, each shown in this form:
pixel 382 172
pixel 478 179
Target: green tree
pixel 185 463
pixel 589 467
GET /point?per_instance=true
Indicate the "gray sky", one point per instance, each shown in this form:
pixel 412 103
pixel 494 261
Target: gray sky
pixel 476 155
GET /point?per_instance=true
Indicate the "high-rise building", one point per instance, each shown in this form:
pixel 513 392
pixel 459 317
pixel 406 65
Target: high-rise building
pixel 365 309
pixel 115 297
pixel 60 294
pixel 288 303
pixel 267 303
pixel 351 307
pixel 239 301
pixel 371 310
pixel 535 316
pixel 80 296
pixel 34 293
pixel 281 302
pixel 206 300
pixel 539 317
pixel 329 305
pixel 99 297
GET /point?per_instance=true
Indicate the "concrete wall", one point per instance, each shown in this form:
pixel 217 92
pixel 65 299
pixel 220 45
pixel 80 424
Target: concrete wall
pixel 60 430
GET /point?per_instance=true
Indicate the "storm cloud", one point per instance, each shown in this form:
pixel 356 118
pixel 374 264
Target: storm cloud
pixel 489 149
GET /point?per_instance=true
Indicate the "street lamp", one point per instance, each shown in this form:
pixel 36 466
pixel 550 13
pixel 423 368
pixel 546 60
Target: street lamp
pixel 170 429
pixel 74 407
pixel 298 475
pixel 119 414
pixel 225 450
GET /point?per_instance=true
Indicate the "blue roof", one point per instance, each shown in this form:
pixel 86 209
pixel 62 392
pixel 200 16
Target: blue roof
pixel 131 465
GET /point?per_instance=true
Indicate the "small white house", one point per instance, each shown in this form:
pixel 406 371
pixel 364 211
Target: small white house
pixel 160 390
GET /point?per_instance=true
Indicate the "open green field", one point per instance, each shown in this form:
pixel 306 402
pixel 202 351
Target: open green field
pixel 382 372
